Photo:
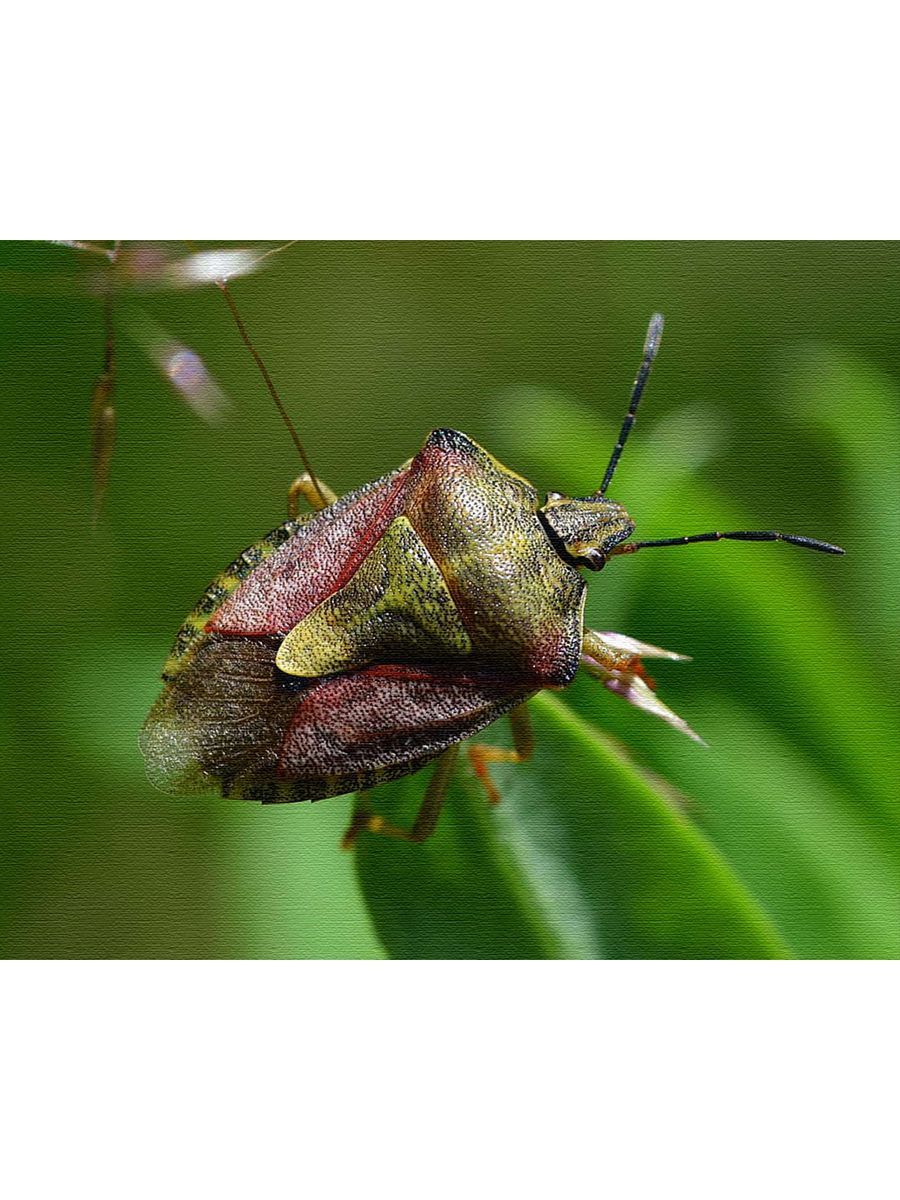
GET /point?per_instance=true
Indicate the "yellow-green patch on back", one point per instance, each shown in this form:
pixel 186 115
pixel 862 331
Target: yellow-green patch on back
pixel 396 607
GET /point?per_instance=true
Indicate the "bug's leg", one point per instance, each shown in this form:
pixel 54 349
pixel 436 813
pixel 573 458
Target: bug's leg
pixel 364 818
pixel 614 652
pixel 305 486
pixel 616 660
pixel 523 741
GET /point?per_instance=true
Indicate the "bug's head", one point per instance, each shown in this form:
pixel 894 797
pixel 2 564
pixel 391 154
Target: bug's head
pixel 585 529
pixel 589 530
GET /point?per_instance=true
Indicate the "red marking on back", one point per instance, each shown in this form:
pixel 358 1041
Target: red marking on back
pixel 320 557
pixel 370 537
pixel 389 714
pixel 437 673
pixel 394 671
pixel 323 555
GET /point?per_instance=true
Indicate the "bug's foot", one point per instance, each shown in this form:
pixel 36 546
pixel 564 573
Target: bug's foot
pixel 366 821
pixel 318 495
pixel 480 756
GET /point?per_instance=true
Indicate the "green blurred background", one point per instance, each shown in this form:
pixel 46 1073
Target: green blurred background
pixel 773 404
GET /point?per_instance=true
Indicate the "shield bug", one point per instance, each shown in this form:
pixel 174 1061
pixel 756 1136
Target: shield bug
pixel 360 642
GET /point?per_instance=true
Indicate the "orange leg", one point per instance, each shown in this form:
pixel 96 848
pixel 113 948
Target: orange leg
pixel 426 819
pixel 481 755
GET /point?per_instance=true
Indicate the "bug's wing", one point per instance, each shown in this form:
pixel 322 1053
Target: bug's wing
pixel 385 721
pixel 277 581
pixel 231 722
pixel 315 562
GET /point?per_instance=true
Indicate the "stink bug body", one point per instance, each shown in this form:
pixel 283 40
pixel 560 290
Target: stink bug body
pixel 371 637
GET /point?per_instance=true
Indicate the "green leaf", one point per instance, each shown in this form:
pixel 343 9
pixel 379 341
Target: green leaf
pixel 798 790
pixel 857 407
pixel 585 857
pixel 827 870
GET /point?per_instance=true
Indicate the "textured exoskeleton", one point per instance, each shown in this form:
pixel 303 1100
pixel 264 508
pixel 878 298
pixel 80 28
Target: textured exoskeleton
pixel 357 645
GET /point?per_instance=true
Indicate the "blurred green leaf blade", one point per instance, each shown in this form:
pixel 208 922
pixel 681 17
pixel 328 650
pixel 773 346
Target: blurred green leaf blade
pixel 803 800
pixel 825 869
pixel 584 858
pixel 857 407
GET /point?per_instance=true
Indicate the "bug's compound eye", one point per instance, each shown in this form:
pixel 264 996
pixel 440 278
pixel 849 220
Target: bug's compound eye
pixel 595 560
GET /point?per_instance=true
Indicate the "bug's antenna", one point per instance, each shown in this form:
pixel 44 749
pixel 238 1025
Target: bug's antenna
pixel 741 535
pixel 651 346
pixel 222 285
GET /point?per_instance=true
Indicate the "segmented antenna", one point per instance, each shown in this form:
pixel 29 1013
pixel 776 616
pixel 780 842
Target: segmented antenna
pixel 740 535
pixel 222 285
pixel 651 346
